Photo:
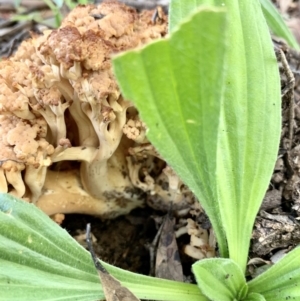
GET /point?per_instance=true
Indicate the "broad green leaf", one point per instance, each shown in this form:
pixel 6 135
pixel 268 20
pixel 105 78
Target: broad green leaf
pixel 151 288
pixel 277 24
pixel 40 261
pixel 220 279
pixel 281 281
pixel 179 99
pixel 180 10
pixel 177 86
pixel 250 126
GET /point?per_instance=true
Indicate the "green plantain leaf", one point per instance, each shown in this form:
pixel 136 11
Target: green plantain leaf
pixel 41 261
pixel 220 279
pixel 250 126
pixel 176 84
pixel 281 281
pixel 179 10
pixel 277 24
pixel 221 137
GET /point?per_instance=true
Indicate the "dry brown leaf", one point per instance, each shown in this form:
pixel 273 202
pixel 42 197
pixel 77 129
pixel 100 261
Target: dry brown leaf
pixel 168 265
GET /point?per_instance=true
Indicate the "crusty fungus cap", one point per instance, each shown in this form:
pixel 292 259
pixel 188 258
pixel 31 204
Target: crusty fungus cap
pixel 69 140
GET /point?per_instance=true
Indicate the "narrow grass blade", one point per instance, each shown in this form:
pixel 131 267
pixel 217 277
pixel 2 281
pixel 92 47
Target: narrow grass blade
pixel 277 24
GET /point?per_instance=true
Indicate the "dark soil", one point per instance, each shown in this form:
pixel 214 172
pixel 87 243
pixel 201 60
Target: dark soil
pixel 125 241
pixel 122 241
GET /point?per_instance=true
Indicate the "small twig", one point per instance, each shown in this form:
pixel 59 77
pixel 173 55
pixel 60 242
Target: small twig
pixel 288 91
pixel 144 4
pixel 97 263
pixel 11 47
pixel 112 288
pixel 157 15
pixel 288 72
pixel 296 72
pixel 152 247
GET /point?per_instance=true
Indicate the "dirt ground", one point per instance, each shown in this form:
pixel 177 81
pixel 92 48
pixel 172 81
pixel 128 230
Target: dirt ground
pixel 126 242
